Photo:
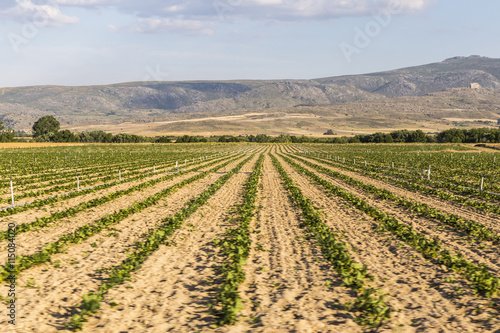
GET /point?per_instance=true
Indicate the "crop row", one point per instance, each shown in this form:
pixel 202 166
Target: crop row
pixel 444 170
pixel 54 199
pixel 89 177
pixel 46 220
pixel 372 308
pixel 235 246
pixel 86 231
pixel 153 239
pixel 482 280
pixel 415 187
pixel 473 228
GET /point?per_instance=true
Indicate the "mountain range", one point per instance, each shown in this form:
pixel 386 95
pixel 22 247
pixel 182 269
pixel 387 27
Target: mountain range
pixel 153 108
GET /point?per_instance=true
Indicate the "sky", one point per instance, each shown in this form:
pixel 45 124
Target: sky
pixel 96 42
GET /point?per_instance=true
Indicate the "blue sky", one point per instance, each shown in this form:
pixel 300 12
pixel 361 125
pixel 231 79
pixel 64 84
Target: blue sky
pixel 87 42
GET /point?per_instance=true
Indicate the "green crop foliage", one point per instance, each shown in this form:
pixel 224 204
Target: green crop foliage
pixel 235 247
pixel 371 307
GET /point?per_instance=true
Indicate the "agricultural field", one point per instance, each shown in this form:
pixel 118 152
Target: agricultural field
pixel 250 238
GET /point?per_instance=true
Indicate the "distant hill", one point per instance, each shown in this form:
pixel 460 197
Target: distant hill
pixel 145 102
pixel 414 81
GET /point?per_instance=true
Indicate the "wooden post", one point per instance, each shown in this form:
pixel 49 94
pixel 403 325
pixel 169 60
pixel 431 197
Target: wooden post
pixel 78 183
pixel 482 182
pixel 12 192
pixel 429 173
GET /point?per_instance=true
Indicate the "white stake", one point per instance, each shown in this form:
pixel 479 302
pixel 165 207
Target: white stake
pixel 429 173
pixel 77 183
pixel 12 192
pixel 482 183
pixel 120 174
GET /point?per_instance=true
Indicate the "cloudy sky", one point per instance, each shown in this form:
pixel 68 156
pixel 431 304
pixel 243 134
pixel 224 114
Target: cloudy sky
pixel 87 42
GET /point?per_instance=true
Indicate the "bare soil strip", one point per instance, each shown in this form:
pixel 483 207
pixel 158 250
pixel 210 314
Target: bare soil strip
pixel 33 241
pixel 455 241
pixel 286 287
pixel 490 220
pixel 173 289
pixel 76 272
pixel 31 214
pixel 417 289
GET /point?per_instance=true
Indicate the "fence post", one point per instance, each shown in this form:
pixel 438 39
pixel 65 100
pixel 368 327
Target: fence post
pixel 78 183
pixel 429 173
pixel 12 192
pixel 482 182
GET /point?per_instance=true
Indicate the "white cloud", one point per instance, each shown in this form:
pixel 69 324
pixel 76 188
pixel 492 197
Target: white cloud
pixel 278 10
pixel 83 3
pixel 41 14
pixel 167 25
pixel 198 16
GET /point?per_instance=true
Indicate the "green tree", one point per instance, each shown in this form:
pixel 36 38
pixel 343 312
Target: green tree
pixel 45 126
pixel 6 135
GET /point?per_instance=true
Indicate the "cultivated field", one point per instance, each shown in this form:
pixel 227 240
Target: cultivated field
pixel 250 238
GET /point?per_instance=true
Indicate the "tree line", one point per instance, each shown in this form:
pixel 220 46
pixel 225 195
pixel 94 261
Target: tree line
pixel 47 129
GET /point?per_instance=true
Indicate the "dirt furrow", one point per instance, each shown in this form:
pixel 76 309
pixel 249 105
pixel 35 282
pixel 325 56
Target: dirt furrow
pixel 76 272
pixel 456 241
pixel 32 214
pixel 32 241
pixel 286 288
pixel 173 289
pixel 418 290
pixel 490 220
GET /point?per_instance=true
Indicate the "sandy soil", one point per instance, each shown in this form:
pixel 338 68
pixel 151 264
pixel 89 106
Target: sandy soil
pixel 286 286
pixel 455 241
pixel 62 287
pixel 417 289
pixel 30 215
pixel 173 289
pixel 489 220
pixel 32 241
